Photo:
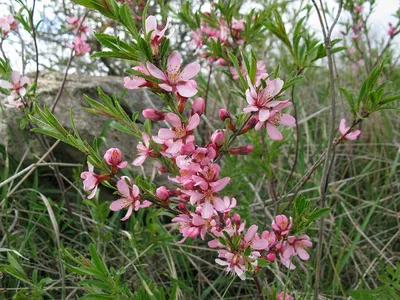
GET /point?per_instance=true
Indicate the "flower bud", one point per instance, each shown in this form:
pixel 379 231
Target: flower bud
pixel 241 150
pixel 250 125
pixel 222 62
pixel 182 207
pixel 198 107
pixel 271 257
pixel 218 138
pixel 154 114
pixel 226 117
pixel 113 158
pixel 162 193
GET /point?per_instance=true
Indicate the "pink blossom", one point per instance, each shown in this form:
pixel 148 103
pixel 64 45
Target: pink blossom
pixel 351 51
pixel 284 296
pixel 282 225
pixel 91 180
pixel 356 37
pixel 113 158
pixel 144 150
pixel 131 198
pixel 191 226
pixel 218 138
pixel 343 129
pixel 234 263
pixel 262 99
pixel 229 204
pixel 392 31
pixel 299 245
pixel 358 9
pixel 238 24
pixel 134 82
pixel 156 35
pixel 74 23
pixel 175 80
pixel 80 46
pixel 273 118
pixel 197 38
pixel 17 86
pixel 179 132
pixel 7 24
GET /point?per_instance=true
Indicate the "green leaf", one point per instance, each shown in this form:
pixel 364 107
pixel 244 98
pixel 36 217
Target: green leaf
pixel 126 19
pixel 319 213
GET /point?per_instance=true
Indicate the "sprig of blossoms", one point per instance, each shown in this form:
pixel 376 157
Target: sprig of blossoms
pixel 195 174
pixel 7 24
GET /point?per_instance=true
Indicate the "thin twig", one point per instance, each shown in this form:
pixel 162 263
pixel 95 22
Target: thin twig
pixel 330 149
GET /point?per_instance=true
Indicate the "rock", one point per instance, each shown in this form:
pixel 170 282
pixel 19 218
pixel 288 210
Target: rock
pixel 88 125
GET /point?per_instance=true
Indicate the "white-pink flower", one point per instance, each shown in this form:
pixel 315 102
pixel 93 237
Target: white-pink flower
pixel 7 24
pixel 282 224
pixel 17 86
pixel 131 198
pixel 191 226
pixel 179 132
pixel 91 180
pixel 144 150
pixel 134 82
pixel 156 35
pixel 80 46
pixel 273 118
pixel 175 80
pixel 344 131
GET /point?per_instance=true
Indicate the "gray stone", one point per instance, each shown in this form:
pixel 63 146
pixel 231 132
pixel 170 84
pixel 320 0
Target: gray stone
pixel 88 125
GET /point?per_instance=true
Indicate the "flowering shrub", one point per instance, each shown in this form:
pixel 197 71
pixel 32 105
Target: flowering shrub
pixel 173 138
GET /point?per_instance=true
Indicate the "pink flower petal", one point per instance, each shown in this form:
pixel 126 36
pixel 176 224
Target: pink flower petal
pixel 186 91
pixel 139 160
pixel 220 184
pixel 15 76
pixel 165 87
pixel 207 210
pixel 156 72
pixel 173 119
pixel 273 132
pixel 5 84
pixel 151 24
pixel 123 187
pixel 135 191
pixel 117 205
pixel 128 214
pixel 193 122
pixel 190 71
pixel 166 134
pixel 263 115
pixel 287 120
pixel 174 62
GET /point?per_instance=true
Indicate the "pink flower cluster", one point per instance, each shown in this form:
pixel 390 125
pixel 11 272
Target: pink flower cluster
pixel 7 24
pixel 261 99
pixel 240 250
pixel 17 86
pixel 197 183
pixel 222 33
pixel 79 28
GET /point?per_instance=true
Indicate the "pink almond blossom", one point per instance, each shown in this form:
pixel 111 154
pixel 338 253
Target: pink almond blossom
pixel 7 24
pixel 284 296
pixel 80 46
pixel 179 132
pixel 113 158
pixel 91 180
pixel 74 23
pixel 273 118
pixel 343 129
pixel 144 150
pixel 175 80
pixel 17 86
pixel 358 9
pixel 282 224
pixel 392 31
pixel 156 35
pixel 191 226
pixel 131 198
pixel 134 82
